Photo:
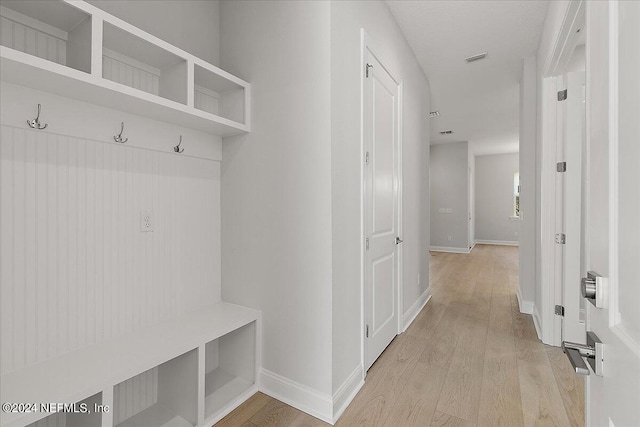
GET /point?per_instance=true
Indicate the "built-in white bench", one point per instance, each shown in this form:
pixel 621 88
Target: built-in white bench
pixel 206 361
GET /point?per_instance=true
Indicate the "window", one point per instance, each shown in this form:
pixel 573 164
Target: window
pixel 516 195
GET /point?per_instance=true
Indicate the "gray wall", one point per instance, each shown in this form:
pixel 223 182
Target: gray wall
pixel 347 18
pixel 494 198
pixel 449 190
pixel 528 213
pixel 276 183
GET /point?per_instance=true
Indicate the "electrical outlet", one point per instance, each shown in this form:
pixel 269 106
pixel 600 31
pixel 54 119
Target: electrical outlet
pixel 449 238
pixel 146 221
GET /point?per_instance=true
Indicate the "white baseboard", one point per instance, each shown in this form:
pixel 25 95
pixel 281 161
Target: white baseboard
pixel 300 396
pixel 347 391
pixel 497 242
pixel 536 323
pixel 473 246
pixel 415 309
pixel 449 249
pixel 526 307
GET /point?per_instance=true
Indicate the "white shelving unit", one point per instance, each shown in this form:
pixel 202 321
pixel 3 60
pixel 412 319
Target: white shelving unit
pixel 229 368
pixel 177 349
pixel 74 49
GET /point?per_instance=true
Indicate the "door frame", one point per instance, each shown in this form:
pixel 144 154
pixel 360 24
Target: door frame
pixel 367 43
pixel 551 271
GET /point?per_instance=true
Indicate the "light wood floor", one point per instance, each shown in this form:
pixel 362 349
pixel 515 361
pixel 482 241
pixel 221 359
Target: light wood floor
pixel 469 359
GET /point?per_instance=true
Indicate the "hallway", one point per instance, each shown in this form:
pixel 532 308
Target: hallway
pixel 470 358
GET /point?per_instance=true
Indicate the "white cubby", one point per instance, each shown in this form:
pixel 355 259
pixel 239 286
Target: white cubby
pixel 52 30
pixel 171 395
pixel 132 61
pixel 79 418
pixel 188 371
pixel 230 368
pixel 217 95
pixel 74 49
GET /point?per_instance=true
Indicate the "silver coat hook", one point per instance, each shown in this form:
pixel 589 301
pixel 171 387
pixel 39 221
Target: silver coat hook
pixel 118 138
pixel 35 123
pixel 177 148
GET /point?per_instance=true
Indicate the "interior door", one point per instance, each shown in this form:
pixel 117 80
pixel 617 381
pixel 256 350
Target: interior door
pixel 613 227
pixel 381 136
pixel 571 181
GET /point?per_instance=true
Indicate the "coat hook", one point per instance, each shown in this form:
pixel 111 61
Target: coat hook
pixel 177 148
pixel 35 123
pixel 118 138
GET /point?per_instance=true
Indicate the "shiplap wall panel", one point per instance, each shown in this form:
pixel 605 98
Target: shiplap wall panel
pixel 205 101
pixel 74 265
pixel 34 42
pixel 130 75
pixel 135 395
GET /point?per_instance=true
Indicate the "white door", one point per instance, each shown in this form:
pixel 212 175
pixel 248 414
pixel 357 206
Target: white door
pixel 571 124
pixel 381 137
pixel 613 220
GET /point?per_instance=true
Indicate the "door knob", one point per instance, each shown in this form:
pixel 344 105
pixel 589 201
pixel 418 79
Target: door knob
pixel 398 241
pixel 592 352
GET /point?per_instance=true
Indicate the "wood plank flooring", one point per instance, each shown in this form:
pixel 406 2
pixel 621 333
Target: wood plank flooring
pixel 470 358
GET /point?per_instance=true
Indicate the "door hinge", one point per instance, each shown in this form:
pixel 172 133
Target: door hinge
pixel 367 70
pixel 562 95
pixel 366 158
pixel 366 331
pixel 560 310
pixel 561 166
pixel 366 243
pixel 561 238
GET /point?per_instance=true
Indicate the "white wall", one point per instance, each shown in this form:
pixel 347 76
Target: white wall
pixel 276 184
pixel 449 190
pixel 528 186
pixel 494 198
pixel 472 198
pixel 191 25
pixel 347 18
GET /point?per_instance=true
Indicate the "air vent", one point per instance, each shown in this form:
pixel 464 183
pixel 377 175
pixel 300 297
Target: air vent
pixel 446 132
pixel 434 113
pixel 476 57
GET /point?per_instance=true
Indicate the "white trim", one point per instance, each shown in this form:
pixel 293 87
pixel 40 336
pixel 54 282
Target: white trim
pixel 514 218
pixel 300 396
pixel 498 242
pixel 526 307
pixel 449 249
pixel 475 242
pixel 415 309
pixel 347 392
pixel 536 322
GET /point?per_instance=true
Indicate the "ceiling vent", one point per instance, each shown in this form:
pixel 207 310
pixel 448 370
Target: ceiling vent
pixel 434 113
pixel 446 132
pixel 476 57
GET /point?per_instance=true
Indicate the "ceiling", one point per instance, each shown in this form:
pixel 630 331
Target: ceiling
pixel 478 101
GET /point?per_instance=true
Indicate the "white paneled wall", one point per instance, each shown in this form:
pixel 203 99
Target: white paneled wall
pixel 206 100
pixel 75 268
pixel 135 395
pixel 124 70
pixel 34 42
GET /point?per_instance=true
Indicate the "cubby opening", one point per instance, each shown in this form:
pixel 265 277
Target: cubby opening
pixel 218 95
pixel 230 367
pixel 86 413
pixel 50 30
pixel 164 396
pixel 139 64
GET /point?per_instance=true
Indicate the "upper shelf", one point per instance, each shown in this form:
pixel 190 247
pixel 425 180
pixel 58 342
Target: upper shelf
pixel 74 49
